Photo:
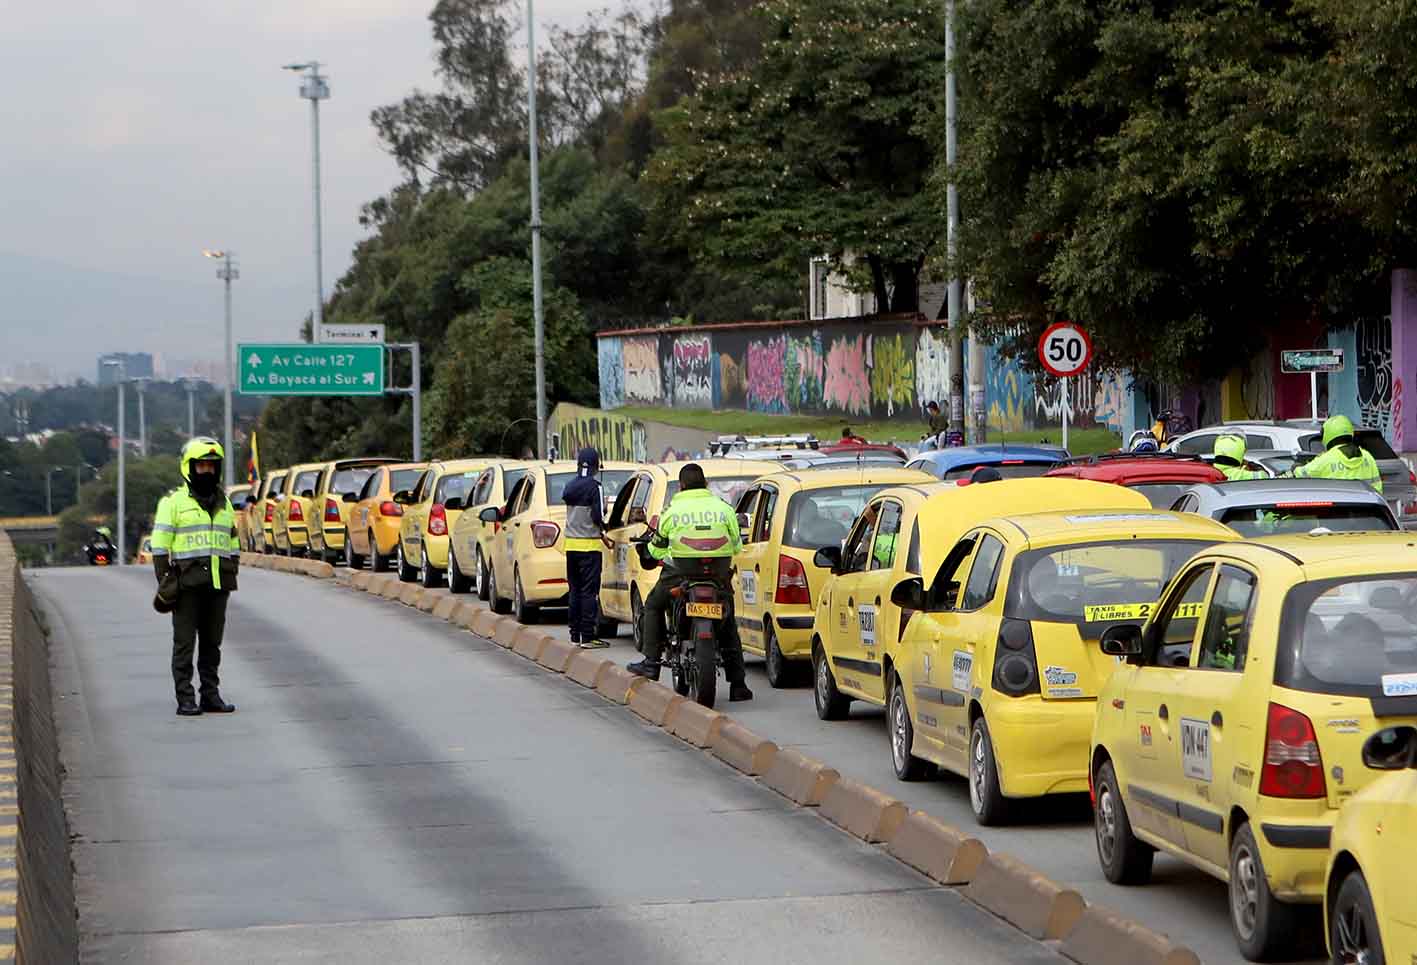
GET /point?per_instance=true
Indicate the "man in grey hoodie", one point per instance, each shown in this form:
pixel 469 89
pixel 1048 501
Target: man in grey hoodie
pixel 585 534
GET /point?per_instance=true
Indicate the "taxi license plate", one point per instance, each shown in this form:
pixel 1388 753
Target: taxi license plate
pixel 713 611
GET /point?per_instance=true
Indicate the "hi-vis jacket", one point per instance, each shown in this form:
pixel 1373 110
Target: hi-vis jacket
pixel 1336 463
pixel 697 525
pixel 202 546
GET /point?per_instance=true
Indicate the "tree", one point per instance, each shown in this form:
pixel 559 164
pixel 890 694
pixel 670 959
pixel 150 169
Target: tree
pixel 814 149
pixel 148 480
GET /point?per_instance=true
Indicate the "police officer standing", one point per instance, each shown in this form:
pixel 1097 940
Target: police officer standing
pixel 196 555
pixel 585 533
pixel 1343 458
pixel 1230 459
pixel 698 533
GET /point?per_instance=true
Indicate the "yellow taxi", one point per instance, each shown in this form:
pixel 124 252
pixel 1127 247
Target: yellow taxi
pixel 292 522
pixel 336 492
pixel 789 516
pixel 1370 907
pixel 1234 732
pixel 471 544
pixel 238 495
pixel 372 530
pixel 623 582
pixel 269 498
pixel 429 515
pixel 528 553
pixel 145 550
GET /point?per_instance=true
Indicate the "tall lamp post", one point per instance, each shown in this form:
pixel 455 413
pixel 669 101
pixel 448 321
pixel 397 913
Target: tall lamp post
pixel 121 378
pixel 228 272
pixel 191 386
pixel 315 89
pixel 141 384
pixel 536 310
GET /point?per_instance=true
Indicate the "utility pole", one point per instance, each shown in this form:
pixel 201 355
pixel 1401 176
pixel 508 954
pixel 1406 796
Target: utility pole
pixel 314 89
pixel 122 460
pixel 190 386
pixel 536 307
pixel 142 387
pixel 227 272
pixel 952 229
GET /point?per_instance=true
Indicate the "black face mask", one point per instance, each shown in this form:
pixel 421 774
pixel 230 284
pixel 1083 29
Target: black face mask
pixel 204 483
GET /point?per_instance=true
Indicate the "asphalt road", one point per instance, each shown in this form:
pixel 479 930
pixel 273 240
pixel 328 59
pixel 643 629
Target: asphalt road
pixel 394 789
pixel 1054 835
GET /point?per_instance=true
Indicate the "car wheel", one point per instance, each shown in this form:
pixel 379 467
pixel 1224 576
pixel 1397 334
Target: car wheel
pixel 781 672
pixel 482 571
pixel 989 804
pixel 495 600
pixel 908 767
pixel 1353 924
pixel 457 582
pixel 1264 925
pixel 428 574
pixel 525 612
pixel 831 703
pixel 1125 860
pixel 407 573
pixel 378 562
pixel 352 559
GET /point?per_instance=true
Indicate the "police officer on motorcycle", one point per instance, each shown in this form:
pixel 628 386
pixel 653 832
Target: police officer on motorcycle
pixel 698 536
pixel 101 544
pixel 1342 457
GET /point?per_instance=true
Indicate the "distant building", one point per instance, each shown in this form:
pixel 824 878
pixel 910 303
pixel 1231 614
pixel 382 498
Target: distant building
pixel 137 365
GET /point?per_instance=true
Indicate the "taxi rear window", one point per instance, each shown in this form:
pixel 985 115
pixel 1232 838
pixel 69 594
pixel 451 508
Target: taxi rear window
pixel 1095 583
pixel 1006 470
pixel 351 480
pixel 1161 495
pixel 611 481
pixel 1352 637
pixel 822 517
pixel 726 488
pixel 403 479
pixel 305 482
pixel 1302 517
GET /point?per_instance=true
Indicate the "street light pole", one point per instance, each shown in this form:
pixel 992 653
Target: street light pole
pixel 536 309
pixel 228 272
pixel 142 387
pixel 315 89
pixel 122 459
pixel 951 229
pixel 190 386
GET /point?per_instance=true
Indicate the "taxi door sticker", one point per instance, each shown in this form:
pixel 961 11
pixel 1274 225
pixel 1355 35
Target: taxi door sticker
pixel 748 582
pixel 1108 612
pixel 961 669
pixel 622 558
pixel 866 616
pixel 1195 749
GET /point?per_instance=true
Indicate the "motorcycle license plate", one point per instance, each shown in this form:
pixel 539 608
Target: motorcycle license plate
pixel 713 611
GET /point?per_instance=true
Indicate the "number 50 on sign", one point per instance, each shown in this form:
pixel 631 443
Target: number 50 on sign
pixel 1064 349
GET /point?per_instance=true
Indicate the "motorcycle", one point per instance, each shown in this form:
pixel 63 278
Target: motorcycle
pixel 698 605
pixel 98 555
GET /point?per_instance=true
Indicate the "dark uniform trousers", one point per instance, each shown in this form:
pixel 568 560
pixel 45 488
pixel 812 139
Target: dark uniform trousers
pixel 200 616
pixel 730 645
pixel 583 573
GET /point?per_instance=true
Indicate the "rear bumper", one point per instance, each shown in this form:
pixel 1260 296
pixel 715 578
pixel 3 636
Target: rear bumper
pixel 543 576
pixel 1041 746
pixel 437 549
pixel 792 626
pixel 297 535
pixel 1295 856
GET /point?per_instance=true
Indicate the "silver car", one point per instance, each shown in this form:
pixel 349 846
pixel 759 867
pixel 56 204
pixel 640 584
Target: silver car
pixel 1273 507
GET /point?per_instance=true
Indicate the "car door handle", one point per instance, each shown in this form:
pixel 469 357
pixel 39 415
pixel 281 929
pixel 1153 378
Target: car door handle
pixel 1163 713
pixel 851 601
pixel 757 568
pixel 878 601
pixel 1216 720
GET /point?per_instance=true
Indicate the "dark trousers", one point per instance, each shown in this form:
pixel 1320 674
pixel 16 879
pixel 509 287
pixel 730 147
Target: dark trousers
pixel 583 574
pixel 200 616
pixel 730 645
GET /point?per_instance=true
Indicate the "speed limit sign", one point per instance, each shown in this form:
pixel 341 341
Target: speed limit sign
pixel 1064 349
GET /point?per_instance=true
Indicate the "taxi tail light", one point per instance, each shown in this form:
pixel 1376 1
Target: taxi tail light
pixel 438 520
pixel 544 534
pixel 295 511
pixel 792 585
pixel 1293 766
pixel 704 594
pixel 331 511
pixel 1015 662
pixel 270 512
pixel 390 508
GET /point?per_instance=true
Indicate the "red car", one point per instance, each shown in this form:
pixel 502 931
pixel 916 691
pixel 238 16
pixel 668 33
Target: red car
pixel 850 445
pixel 1160 477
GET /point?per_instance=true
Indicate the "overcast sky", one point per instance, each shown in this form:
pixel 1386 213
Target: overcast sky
pixel 138 132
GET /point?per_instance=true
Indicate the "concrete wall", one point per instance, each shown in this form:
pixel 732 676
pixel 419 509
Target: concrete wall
pixel 41 894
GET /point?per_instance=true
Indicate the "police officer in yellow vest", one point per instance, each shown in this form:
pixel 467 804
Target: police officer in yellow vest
pixel 196 555
pixel 1343 458
pixel 1230 459
pixel 698 534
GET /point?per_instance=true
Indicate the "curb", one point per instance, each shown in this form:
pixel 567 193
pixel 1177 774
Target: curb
pixel 936 850
pixel 443 609
pixel 585 668
pixel 529 643
pixel 617 684
pixel 1103 937
pixel 505 632
pixel 556 654
pixel 655 703
pixel 410 594
pixel 742 750
pixel 427 601
pixel 863 811
pixel 696 724
pixel 799 778
pixel 1021 896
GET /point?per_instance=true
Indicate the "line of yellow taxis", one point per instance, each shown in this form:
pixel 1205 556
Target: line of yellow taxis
pixel 1248 705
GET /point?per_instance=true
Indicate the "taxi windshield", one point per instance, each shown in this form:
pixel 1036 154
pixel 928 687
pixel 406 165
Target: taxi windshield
pixel 822 517
pixel 1355 637
pixel 1306 516
pixel 726 488
pixel 1096 582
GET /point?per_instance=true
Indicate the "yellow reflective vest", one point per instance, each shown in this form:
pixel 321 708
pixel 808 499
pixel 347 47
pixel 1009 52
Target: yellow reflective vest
pixel 697 525
pixel 203 546
pixel 1334 464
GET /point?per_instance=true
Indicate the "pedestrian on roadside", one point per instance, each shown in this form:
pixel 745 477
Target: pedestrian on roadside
pixel 934 419
pixel 585 535
pixel 196 557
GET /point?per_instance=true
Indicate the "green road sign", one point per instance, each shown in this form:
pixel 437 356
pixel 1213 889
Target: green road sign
pixel 1311 360
pixel 303 369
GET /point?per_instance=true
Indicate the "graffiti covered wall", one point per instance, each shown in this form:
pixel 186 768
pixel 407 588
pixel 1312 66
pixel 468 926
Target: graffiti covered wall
pixel 618 437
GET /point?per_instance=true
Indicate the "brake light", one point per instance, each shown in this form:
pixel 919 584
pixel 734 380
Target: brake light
pixel 331 511
pixel 438 520
pixel 390 508
pixel 703 594
pixel 792 582
pixel 1306 504
pixel 270 512
pixel 1011 462
pixel 1293 766
pixel 1015 662
pixel 544 534
pixel 295 511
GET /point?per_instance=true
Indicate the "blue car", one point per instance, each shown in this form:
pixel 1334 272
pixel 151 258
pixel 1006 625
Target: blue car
pixel 1011 461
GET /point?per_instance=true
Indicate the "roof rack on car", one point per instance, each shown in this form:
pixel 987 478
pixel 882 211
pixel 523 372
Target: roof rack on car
pixel 730 443
pixel 1107 456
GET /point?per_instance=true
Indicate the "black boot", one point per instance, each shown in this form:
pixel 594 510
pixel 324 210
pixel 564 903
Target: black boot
pixel 644 668
pixel 739 691
pixel 215 705
pixel 187 707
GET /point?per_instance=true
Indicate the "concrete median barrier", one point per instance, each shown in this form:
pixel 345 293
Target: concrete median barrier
pixel 505 632
pixel 936 850
pixel 428 601
pixel 344 576
pixel 585 667
pixel 445 606
pixel 284 564
pixel 556 654
pixel 320 570
pixel 485 623
pixel 800 778
pixel 862 810
pixel 740 748
pixel 390 589
pixel 655 703
pixel 466 616
pixel 618 684
pixel 1026 899
pixel 1103 937
pixel 696 724
pixel 529 642
pixel 360 580
pixel 410 594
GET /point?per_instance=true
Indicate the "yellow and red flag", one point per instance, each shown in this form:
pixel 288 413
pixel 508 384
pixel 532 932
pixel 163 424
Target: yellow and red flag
pixel 253 466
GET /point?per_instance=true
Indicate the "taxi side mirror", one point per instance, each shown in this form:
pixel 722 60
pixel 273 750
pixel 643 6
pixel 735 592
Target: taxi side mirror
pixel 452 502
pixel 403 497
pixel 743 524
pixel 909 594
pixel 1391 749
pixel 1123 640
pixel 828 558
pixel 350 497
pixel 637 515
pixel 490 515
pixel 307 494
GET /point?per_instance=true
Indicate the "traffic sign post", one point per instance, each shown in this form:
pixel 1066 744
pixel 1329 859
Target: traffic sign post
pixel 1311 361
pixel 303 369
pixel 1065 350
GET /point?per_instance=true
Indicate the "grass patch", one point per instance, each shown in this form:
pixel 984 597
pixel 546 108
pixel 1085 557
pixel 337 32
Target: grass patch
pixel 724 422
